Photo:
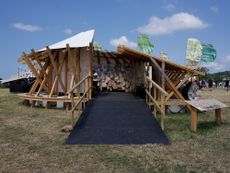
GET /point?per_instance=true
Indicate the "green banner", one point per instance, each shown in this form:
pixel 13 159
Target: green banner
pixel 144 45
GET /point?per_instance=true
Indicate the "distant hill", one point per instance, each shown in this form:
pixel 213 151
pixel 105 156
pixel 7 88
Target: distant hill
pixel 217 76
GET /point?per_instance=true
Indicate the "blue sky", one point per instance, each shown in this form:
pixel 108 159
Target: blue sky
pixel 28 24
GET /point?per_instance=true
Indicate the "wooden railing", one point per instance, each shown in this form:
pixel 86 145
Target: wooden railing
pixel 83 92
pixel 152 90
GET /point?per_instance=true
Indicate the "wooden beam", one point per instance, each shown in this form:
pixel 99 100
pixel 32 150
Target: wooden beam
pixel 169 82
pixel 218 116
pixel 78 67
pixel 43 82
pixel 70 56
pixel 157 86
pixel 193 119
pixel 34 71
pixel 66 72
pixel 162 96
pixel 57 77
pixel 178 86
pixel 154 101
pixel 57 70
pixel 33 88
pixel 90 51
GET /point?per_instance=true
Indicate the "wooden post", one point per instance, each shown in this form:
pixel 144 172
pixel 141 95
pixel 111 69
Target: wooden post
pixel 169 82
pixel 155 97
pixel 66 73
pixel 78 68
pixel 163 96
pixel 90 51
pixel 193 119
pixel 218 116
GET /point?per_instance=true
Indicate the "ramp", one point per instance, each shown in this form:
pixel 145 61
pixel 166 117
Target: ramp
pixel 117 118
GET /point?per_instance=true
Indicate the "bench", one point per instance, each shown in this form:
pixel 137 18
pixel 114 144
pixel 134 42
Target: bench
pixel 205 105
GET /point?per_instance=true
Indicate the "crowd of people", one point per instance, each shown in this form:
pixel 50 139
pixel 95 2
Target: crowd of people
pixel 190 87
pixel 210 84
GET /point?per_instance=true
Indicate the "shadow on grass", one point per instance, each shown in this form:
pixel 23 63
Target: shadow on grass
pixel 204 128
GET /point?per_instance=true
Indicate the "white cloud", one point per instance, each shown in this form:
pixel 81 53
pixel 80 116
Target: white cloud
pixel 26 27
pixel 176 22
pixel 219 65
pixel 225 59
pixel 169 7
pixel 214 66
pixel 214 9
pixel 123 40
pixel 68 31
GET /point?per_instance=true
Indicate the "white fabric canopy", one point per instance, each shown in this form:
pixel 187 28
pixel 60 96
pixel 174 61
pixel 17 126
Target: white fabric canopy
pixel 83 39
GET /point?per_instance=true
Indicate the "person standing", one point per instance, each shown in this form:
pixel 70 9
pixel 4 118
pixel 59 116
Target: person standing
pixel 210 83
pixel 227 84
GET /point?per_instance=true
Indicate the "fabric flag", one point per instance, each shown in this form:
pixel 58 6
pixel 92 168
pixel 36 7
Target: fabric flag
pixel 97 46
pixel 194 50
pixel 208 53
pixel 144 45
pixel 164 55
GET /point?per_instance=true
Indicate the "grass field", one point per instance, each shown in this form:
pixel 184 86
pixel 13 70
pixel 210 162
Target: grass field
pixel 31 141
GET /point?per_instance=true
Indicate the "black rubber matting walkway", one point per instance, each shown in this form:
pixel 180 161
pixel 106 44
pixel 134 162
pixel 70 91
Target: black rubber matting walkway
pixel 117 118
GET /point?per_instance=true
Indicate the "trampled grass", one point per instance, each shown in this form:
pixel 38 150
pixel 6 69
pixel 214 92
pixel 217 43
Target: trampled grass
pixel 31 141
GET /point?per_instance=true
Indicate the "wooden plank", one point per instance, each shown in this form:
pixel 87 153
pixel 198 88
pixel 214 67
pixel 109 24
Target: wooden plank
pixel 43 82
pixel 206 104
pixel 45 77
pixel 157 86
pixel 33 88
pixel 57 78
pixel 66 72
pixel 74 56
pixel 154 101
pixel 162 96
pixel 79 83
pixel 62 56
pixel 218 116
pixel 169 82
pixel 78 68
pixel 57 70
pixel 155 97
pixel 193 119
pixel 34 71
pixel 178 86
pixel 49 99
pixel 70 56
pixel 90 69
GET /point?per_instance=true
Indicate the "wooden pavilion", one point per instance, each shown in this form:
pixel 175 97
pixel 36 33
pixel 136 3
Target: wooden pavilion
pixel 64 74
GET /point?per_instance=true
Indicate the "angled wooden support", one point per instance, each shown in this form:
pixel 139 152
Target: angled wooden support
pixel 57 71
pixel 36 74
pixel 169 82
pixel 154 101
pixel 42 67
pixel 74 66
pixel 178 86
pixel 45 80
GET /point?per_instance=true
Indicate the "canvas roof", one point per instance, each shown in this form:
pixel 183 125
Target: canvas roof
pixel 82 39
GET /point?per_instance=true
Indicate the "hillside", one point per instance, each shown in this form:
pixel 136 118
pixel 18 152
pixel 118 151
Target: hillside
pixel 218 76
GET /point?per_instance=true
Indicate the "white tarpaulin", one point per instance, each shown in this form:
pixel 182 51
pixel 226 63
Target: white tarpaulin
pixel 83 39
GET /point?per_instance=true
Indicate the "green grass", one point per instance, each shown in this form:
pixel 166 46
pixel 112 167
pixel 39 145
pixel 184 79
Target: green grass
pixel 31 141
pixel 4 90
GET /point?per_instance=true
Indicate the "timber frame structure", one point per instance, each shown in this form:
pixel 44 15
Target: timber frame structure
pixel 65 75
pixel 162 83
pixel 47 66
